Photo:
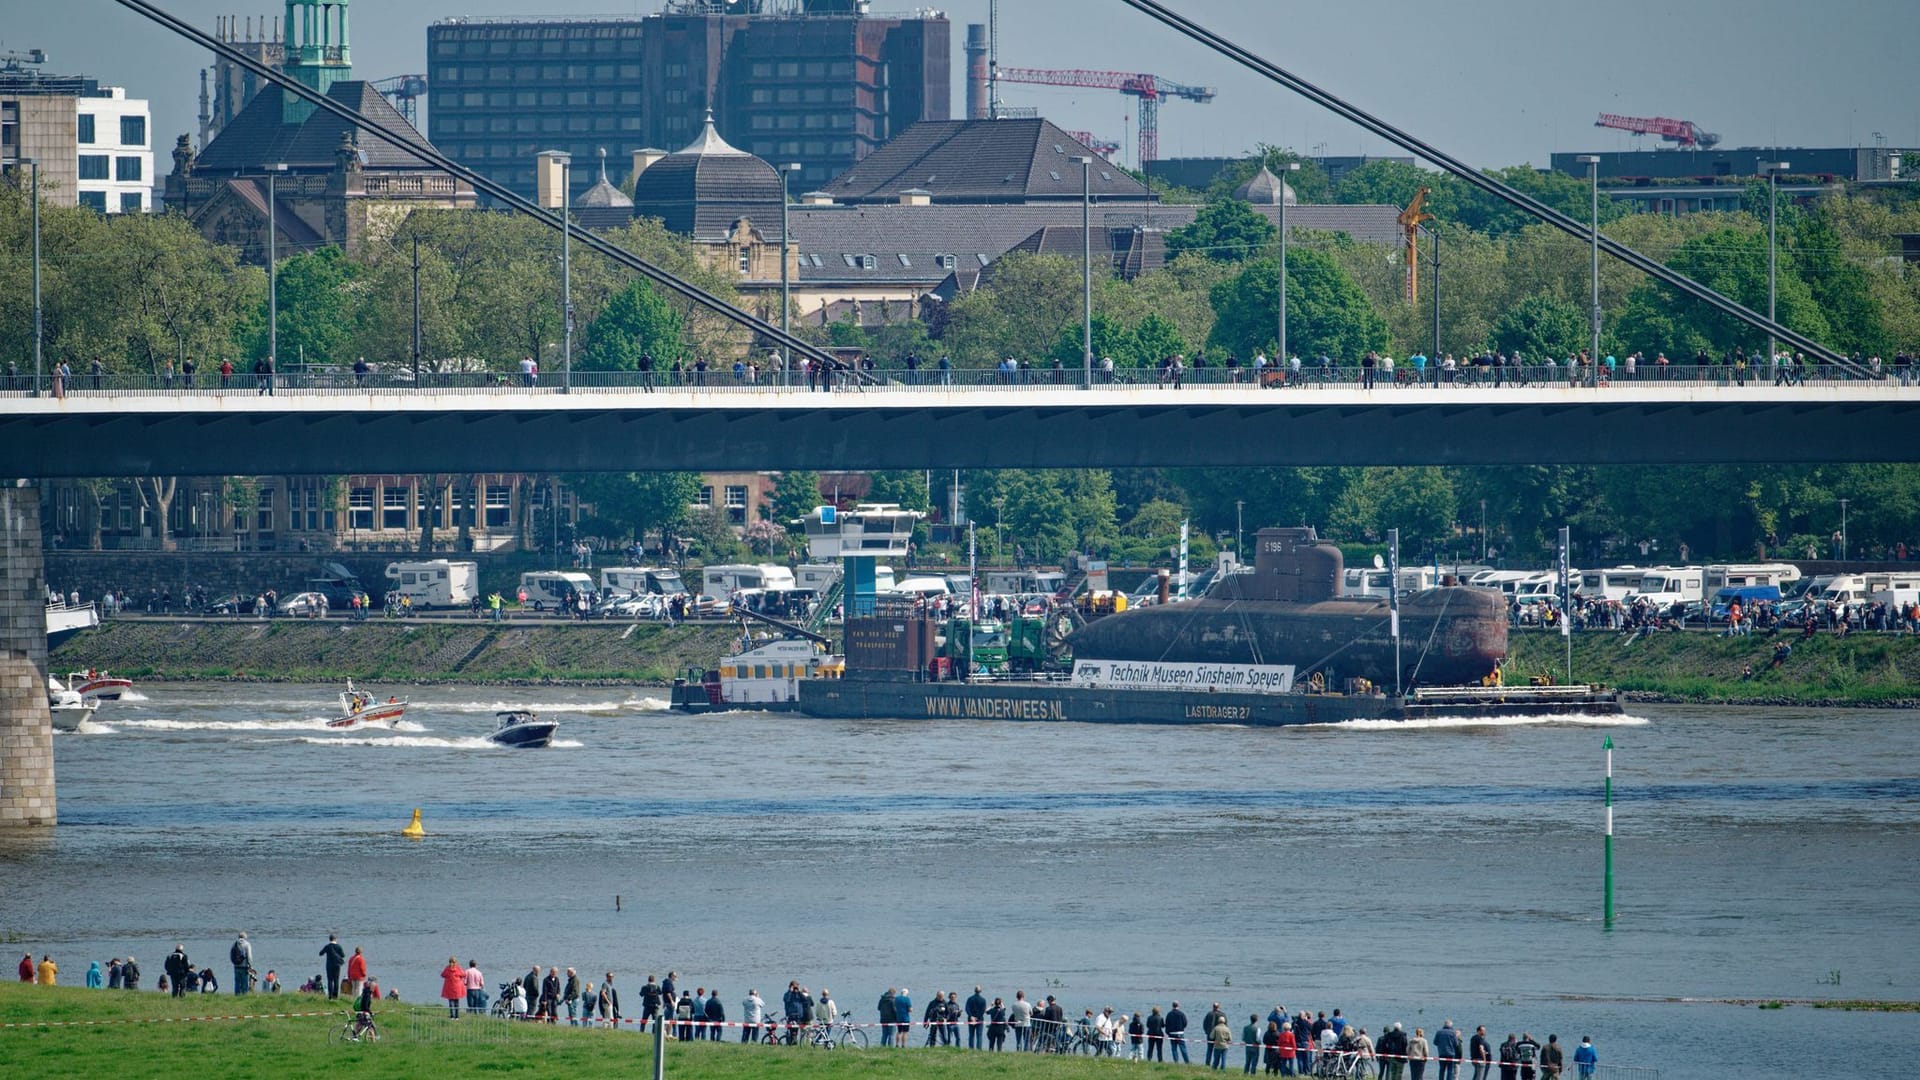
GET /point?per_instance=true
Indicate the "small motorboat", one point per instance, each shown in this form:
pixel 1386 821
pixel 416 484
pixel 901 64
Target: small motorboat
pixel 98 684
pixel 358 709
pixel 68 707
pixel 522 728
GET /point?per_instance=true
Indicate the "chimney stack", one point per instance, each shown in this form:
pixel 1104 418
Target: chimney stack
pixel 976 71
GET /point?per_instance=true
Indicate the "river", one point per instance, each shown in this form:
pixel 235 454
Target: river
pixel 1409 873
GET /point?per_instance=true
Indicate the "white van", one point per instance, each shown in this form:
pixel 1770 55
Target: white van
pixel 924 588
pixel 722 582
pixel 551 588
pixel 1897 591
pixel 1024 582
pixel 1545 585
pixel 1665 586
pixel 641 580
pixel 435 582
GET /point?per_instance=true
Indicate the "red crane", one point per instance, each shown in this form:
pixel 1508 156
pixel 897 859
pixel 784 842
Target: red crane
pixel 1682 132
pixel 1106 148
pixel 1150 89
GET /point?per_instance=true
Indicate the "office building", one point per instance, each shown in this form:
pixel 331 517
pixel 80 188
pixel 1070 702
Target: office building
pixel 93 143
pixel 1854 164
pixel 821 85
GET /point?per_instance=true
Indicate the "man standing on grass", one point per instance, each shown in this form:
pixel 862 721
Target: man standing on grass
pixel 242 956
pixel 335 958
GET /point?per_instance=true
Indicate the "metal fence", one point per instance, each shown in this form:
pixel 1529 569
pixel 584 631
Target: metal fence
pixel 472 1029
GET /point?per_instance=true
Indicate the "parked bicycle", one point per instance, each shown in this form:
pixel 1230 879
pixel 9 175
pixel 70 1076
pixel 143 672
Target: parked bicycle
pixel 359 1027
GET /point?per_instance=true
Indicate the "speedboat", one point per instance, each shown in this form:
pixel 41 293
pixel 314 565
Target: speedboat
pixel 522 728
pixel 68 708
pixel 98 684
pixel 358 709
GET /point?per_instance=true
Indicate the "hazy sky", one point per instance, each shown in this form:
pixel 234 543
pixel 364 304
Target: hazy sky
pixel 1494 81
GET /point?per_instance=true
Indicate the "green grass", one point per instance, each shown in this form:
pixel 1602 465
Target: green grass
pixel 297 1049
pixel 1864 669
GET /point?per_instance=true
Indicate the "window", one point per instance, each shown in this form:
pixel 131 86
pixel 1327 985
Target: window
pixel 1056 177
pixel 746 259
pixel 93 166
pixel 263 514
pixel 945 262
pixel 705 498
pixel 313 509
pixel 133 131
pixel 130 202
pixel 94 200
pixel 499 503
pixel 85 129
pixel 763 71
pixel 868 262
pixel 679 71
pixel 393 508
pixel 360 508
pixel 737 504
pixel 816 260
pixel 904 261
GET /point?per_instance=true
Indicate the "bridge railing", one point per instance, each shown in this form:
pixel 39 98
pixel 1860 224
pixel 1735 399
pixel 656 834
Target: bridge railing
pixel 397 379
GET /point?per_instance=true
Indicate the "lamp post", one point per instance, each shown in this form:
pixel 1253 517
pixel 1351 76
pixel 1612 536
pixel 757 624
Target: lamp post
pixel 38 326
pixel 1592 162
pixel 273 266
pixel 1843 528
pixel 1086 272
pixel 1433 360
pixel 1280 361
pixel 786 304
pixel 1773 170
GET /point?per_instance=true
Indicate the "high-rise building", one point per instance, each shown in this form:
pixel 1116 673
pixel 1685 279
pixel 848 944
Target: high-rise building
pixel 821 84
pixel 93 143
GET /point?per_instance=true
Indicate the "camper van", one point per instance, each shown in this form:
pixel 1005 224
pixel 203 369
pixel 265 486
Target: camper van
pixel 722 582
pixel 1368 581
pixel 1614 583
pixel 1733 575
pixel 552 588
pixel 1025 582
pixel 1505 581
pixel 641 580
pixel 920 588
pixel 1861 588
pixel 1665 586
pixel 436 582
pixel 1541 587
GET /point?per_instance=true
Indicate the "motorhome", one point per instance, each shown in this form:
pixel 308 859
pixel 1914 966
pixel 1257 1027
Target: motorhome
pixel 1614 583
pixel 435 582
pixel 1541 587
pixel 923 588
pixel 641 580
pixel 553 588
pixel 724 581
pixel 1369 581
pixel 1897 591
pixel 1025 582
pixel 1505 581
pixel 1860 588
pixel 816 578
pixel 1665 586
pixel 1733 575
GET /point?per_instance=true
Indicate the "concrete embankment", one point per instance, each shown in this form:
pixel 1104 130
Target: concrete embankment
pixel 426 650
pixel 1696 666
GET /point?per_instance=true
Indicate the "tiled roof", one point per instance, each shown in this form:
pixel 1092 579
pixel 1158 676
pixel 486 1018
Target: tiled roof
pixel 254 194
pixel 702 195
pixel 260 136
pixel 982 161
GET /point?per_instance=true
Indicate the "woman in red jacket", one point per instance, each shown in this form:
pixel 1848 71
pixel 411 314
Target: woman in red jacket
pixel 453 985
pixel 356 970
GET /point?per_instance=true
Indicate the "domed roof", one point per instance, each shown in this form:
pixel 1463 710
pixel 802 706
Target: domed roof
pixel 603 194
pixel 1265 189
pixel 702 189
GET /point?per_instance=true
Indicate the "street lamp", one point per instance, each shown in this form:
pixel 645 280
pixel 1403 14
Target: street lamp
pixel 38 326
pixel 1843 528
pixel 273 268
pixel 565 161
pixel 1773 170
pixel 1086 272
pixel 1592 162
pixel 1280 361
pixel 786 304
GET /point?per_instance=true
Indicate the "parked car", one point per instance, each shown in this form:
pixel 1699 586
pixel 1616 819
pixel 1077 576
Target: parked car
pixel 231 605
pixel 310 605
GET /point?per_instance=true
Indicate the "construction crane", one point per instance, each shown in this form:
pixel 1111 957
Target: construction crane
pixel 1414 216
pixel 19 61
pixel 1106 148
pixel 1683 133
pixel 403 91
pixel 1150 89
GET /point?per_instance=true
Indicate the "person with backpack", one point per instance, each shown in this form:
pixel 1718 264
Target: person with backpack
pixel 241 954
pixel 178 966
pixel 1527 1053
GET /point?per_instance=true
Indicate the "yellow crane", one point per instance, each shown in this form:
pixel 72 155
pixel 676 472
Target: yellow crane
pixel 1411 219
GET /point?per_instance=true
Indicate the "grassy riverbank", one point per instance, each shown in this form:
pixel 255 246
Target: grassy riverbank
pixel 133 1036
pixel 1864 669
pixel 453 650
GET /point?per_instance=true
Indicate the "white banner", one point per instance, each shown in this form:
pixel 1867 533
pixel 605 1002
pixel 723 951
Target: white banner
pixel 1159 675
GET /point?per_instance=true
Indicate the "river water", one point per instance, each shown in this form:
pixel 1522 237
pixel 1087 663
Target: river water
pixel 1395 872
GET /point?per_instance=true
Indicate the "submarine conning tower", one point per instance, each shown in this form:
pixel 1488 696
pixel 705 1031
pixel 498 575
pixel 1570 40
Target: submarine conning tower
pixel 1292 565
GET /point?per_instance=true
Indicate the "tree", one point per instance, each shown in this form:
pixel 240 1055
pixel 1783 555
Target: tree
pixel 634 504
pixel 795 494
pixel 635 321
pixel 1111 337
pixel 1155 338
pixel 1540 326
pixel 1417 500
pixel 317 308
pixel 1733 262
pixel 1310 184
pixel 1019 312
pixel 1326 312
pixel 1225 230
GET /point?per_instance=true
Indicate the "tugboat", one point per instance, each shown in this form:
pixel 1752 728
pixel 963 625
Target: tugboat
pixel 522 728
pixel 763 675
pixel 358 709
pixel 98 684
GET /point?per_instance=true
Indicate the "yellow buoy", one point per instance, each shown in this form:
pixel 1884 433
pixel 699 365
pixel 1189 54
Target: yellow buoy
pixel 414 829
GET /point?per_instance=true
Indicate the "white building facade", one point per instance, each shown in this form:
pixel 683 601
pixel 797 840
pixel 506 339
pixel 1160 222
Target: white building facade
pixel 114 148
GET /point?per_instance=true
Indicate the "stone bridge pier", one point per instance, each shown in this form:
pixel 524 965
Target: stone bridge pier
pixel 26 728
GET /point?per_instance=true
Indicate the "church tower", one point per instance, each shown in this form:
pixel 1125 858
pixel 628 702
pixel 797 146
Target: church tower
pixel 316 44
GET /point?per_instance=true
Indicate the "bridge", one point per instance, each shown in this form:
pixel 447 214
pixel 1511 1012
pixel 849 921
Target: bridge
pixel 729 426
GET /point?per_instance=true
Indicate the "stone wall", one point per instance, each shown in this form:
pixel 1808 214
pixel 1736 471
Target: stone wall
pixel 26 729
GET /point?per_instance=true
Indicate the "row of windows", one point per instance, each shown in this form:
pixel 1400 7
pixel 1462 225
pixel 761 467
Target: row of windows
pixel 811 95
pixel 501 99
pixel 450 73
pixel 500 125
pixel 871 262
pixel 97 201
pixel 133 130
pixel 125 169
pixel 451 512
pixel 548 47
pixel 811 148
pixel 793 69
pixel 789 121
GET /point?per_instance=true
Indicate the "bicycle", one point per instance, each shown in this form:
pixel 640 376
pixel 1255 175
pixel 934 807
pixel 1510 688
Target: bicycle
pixel 359 1027
pixel 843 1033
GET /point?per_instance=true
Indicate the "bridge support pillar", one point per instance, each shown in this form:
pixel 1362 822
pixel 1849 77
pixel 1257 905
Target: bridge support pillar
pixel 26 728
